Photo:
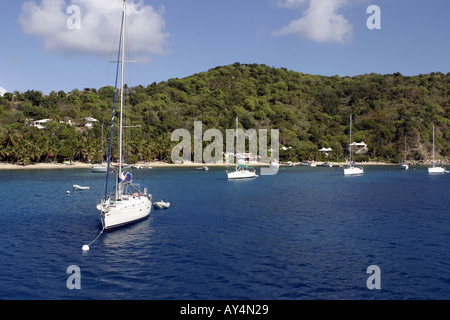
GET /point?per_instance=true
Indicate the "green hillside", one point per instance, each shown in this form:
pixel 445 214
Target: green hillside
pixel 311 112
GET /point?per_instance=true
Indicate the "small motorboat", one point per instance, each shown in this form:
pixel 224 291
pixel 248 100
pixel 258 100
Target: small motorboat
pixel 77 187
pixel 161 204
pixel 99 168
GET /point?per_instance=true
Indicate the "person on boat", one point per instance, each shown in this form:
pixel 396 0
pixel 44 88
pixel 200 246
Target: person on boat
pixel 135 194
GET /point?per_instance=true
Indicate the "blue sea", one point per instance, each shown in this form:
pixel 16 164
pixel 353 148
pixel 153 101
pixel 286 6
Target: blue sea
pixel 304 233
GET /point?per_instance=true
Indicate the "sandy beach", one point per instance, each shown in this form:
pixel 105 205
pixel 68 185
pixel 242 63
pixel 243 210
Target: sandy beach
pixel 81 165
pixel 39 166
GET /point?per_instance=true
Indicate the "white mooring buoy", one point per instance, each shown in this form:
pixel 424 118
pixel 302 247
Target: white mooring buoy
pixel 86 246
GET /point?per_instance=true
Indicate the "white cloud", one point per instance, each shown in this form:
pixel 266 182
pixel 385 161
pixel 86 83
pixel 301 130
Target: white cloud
pixel 320 22
pixel 2 91
pixel 99 26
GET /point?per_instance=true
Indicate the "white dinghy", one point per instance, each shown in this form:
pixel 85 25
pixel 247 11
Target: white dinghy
pixel 161 204
pixel 78 187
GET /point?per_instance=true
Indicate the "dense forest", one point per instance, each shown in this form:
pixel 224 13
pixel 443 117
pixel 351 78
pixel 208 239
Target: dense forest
pixel 310 111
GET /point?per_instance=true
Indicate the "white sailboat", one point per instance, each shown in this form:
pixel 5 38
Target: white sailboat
pixel 128 202
pixel 241 171
pixel 435 169
pixel 404 165
pixel 351 169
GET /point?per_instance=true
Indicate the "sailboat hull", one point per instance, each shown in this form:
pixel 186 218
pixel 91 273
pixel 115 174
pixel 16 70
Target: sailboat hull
pixel 436 170
pixel 353 171
pixel 99 169
pixel 242 174
pixel 115 214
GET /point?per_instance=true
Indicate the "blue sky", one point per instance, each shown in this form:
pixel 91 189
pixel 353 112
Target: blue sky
pixel 177 38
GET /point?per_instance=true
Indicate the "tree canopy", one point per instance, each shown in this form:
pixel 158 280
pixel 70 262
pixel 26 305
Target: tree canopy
pixel 310 111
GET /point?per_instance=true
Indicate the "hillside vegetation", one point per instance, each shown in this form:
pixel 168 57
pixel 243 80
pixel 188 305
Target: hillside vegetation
pixel 311 112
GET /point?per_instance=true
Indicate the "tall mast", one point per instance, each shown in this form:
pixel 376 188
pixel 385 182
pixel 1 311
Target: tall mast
pixel 121 88
pixel 350 142
pixel 433 146
pixel 103 152
pixel 237 142
pixel 405 147
pixel 114 110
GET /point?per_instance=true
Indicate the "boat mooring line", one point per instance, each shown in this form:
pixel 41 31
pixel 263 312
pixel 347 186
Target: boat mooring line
pixel 86 246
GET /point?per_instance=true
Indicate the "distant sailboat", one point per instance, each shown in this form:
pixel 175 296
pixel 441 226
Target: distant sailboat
pixel 241 171
pixel 404 165
pixel 435 169
pixel 351 169
pixel 128 202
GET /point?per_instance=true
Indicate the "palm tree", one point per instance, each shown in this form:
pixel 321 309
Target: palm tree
pixel 163 146
pixel 80 148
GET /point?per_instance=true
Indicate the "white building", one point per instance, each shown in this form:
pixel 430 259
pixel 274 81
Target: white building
pixel 358 147
pixel 89 122
pixel 241 157
pixel 40 123
pixel 326 150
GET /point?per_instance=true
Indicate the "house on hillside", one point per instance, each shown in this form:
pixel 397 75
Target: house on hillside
pixel 241 158
pixel 40 123
pixel 325 150
pixel 89 122
pixel 358 147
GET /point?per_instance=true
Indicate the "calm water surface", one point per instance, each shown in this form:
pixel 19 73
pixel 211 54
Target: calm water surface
pixel 305 233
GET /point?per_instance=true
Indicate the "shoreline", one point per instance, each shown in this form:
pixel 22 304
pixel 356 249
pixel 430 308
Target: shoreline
pixel 80 165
